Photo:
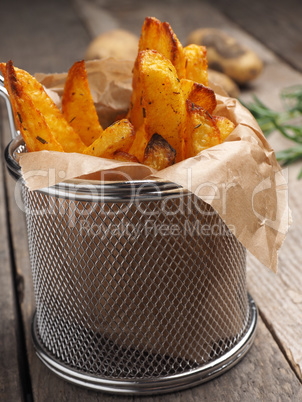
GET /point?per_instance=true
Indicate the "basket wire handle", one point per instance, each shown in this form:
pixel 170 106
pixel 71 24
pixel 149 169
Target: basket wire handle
pixel 5 96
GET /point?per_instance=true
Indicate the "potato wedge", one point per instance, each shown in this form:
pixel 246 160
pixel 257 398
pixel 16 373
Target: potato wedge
pixel 62 131
pixel 135 113
pixel 163 104
pixel 117 137
pixel 139 144
pixel 156 35
pixel 199 94
pixel 124 157
pixel 159 154
pixel 196 64
pixel 202 131
pixel 33 127
pixel 11 98
pixel 224 125
pixel 77 105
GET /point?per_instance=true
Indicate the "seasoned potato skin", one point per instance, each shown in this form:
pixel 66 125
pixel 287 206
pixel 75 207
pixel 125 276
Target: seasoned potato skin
pixel 159 154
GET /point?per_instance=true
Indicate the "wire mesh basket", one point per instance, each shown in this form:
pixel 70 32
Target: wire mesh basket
pixel 139 286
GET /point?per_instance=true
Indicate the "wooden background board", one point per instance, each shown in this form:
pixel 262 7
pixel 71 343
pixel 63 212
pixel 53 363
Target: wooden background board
pixel 273 22
pixel 67 28
pixel 10 381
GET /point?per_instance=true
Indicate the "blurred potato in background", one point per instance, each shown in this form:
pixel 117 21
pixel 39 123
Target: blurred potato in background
pixel 117 43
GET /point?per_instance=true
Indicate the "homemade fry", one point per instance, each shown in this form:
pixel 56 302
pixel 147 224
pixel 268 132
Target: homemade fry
pixel 139 144
pixel 117 137
pixel 202 131
pixel 196 64
pixel 124 157
pixel 162 101
pixel 135 113
pixel 171 114
pixel 29 119
pixel 224 125
pixel 78 107
pixel 159 154
pixel 199 94
pixel 159 36
pixel 61 130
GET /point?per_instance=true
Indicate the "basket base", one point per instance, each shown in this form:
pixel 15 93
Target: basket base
pixel 151 386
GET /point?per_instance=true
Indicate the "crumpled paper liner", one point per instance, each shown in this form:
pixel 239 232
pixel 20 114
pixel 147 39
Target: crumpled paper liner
pixel 240 178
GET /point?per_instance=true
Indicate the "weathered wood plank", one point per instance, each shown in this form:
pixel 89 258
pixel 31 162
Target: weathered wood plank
pixel 279 297
pixel 10 384
pixel 41 36
pixel 275 23
pixel 263 374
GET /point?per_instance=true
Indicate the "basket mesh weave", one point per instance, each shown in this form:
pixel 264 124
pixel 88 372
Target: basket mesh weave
pixel 135 289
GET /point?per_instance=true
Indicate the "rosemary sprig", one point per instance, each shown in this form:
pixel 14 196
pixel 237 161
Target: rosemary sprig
pixel 284 122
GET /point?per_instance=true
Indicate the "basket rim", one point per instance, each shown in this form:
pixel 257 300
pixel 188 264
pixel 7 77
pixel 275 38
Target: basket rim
pixel 93 190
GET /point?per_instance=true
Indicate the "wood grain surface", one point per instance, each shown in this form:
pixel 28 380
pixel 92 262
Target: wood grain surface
pixel 10 381
pixel 273 22
pixel 271 371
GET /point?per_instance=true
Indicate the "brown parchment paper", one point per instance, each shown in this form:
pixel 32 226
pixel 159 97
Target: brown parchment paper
pixel 239 178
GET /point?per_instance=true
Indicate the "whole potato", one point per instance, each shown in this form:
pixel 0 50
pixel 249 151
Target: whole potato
pixel 117 43
pixel 223 80
pixel 226 55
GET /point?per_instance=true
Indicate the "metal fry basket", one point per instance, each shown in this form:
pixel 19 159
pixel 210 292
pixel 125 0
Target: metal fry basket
pixel 140 287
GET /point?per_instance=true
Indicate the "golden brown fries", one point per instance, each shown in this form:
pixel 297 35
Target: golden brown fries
pixel 159 154
pixel 162 101
pixel 135 113
pixel 202 131
pixel 199 94
pixel 63 133
pixel 3 69
pixel 77 105
pixel 124 157
pixel 156 35
pixel 159 36
pixel 171 115
pixel 224 125
pixel 117 137
pixel 196 64
pixel 139 144
pixel 29 118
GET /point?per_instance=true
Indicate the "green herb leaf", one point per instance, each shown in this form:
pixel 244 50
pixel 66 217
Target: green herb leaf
pixel 284 122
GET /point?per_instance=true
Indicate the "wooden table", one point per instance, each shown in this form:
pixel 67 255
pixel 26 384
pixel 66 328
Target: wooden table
pixel 49 37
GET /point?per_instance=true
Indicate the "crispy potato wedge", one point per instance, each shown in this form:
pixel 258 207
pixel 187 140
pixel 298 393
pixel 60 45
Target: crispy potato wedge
pixel 159 154
pixel 135 113
pixel 61 130
pixel 77 105
pixel 224 125
pixel 156 35
pixel 117 137
pixel 33 127
pixel 202 131
pixel 196 64
pixel 199 94
pixel 11 98
pixel 163 104
pixel 139 144
pixel 124 157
